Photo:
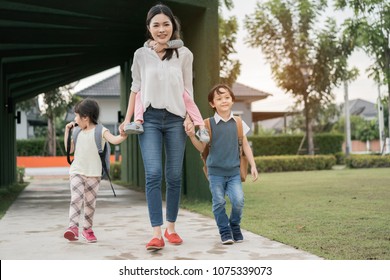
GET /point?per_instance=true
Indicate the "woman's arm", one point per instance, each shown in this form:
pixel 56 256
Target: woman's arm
pixel 129 112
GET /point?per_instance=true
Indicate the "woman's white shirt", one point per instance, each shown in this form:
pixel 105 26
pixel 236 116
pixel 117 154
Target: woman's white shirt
pixel 162 83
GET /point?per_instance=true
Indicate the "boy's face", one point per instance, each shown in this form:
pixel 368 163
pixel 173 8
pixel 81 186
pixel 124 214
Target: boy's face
pixel 222 102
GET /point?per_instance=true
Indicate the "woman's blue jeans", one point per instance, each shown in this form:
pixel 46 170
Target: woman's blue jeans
pixel 162 129
pixel 232 187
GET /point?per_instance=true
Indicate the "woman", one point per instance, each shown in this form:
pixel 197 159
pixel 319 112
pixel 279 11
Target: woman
pixel 162 77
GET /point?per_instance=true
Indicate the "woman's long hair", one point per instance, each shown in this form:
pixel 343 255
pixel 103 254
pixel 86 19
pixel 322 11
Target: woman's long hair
pixel 163 9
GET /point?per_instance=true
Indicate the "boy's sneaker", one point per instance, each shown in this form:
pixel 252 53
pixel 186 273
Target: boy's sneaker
pixel 72 233
pixel 133 128
pixel 237 234
pixel 203 135
pixel 226 238
pixel 89 236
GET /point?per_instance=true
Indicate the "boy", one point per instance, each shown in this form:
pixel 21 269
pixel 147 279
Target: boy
pixel 223 163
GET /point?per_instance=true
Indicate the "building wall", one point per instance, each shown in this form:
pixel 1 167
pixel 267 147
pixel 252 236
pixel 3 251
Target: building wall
pixel 244 111
pixel 22 127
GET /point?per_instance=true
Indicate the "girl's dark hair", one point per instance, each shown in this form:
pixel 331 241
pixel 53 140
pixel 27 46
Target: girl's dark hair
pixel 217 90
pixel 88 108
pixel 163 9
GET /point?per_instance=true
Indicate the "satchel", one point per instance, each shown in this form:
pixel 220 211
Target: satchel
pixel 243 158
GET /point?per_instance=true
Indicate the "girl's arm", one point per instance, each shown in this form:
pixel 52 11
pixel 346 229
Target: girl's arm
pixel 248 153
pixel 114 139
pixel 173 44
pixel 67 128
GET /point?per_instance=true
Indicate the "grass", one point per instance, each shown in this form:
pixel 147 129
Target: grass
pixel 335 214
pixel 8 196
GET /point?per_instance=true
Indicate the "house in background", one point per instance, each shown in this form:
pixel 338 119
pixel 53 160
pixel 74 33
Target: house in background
pixel 279 121
pixel 28 121
pixel 363 108
pixel 107 93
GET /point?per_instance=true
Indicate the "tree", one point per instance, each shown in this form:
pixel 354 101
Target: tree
pixel 370 29
pixel 362 130
pixel 229 67
pixel 56 103
pixel 305 62
pixel 323 121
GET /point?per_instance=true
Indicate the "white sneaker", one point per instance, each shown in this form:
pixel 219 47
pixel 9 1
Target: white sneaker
pixel 203 135
pixel 134 128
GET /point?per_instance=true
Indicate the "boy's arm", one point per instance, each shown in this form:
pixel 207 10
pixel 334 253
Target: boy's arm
pixel 114 139
pixel 249 155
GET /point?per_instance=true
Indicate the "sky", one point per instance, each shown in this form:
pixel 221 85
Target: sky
pixel 256 73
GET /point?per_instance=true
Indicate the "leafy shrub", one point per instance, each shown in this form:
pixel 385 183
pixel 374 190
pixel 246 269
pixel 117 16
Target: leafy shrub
pixel 294 163
pixel 367 161
pixel 115 171
pixel 324 143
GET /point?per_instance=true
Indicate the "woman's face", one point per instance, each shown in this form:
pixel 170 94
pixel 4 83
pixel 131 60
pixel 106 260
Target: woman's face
pixel 161 28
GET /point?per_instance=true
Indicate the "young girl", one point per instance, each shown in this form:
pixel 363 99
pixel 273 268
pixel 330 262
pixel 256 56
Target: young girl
pixel 136 106
pixel 86 169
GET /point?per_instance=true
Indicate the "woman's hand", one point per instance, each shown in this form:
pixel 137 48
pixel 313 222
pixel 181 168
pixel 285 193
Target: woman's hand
pixel 121 129
pixel 189 126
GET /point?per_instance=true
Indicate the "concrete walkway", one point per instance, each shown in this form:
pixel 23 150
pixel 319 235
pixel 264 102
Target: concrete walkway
pixel 33 227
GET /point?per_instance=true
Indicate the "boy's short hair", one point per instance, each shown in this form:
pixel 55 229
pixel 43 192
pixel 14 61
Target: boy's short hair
pixel 216 90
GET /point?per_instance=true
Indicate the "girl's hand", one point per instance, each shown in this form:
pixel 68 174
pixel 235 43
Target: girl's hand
pixel 151 43
pixel 70 125
pixel 157 47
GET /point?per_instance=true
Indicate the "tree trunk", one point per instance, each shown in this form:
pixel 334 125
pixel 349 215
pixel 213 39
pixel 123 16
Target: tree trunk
pixel 310 142
pixel 388 107
pixel 51 133
pixel 309 128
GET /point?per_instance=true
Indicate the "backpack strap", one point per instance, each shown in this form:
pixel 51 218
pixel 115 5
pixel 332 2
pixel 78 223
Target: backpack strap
pixel 240 133
pixel 73 133
pixel 208 127
pixel 102 151
pixel 98 137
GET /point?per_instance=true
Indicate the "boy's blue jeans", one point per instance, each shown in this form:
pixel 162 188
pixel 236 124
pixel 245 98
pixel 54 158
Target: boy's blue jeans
pixel 162 129
pixel 232 187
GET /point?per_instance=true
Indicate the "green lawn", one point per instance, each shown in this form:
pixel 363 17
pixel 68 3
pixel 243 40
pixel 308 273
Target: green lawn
pixel 335 214
pixel 8 196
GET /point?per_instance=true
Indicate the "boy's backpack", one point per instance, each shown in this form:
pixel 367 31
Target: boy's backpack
pixel 243 158
pixel 104 153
